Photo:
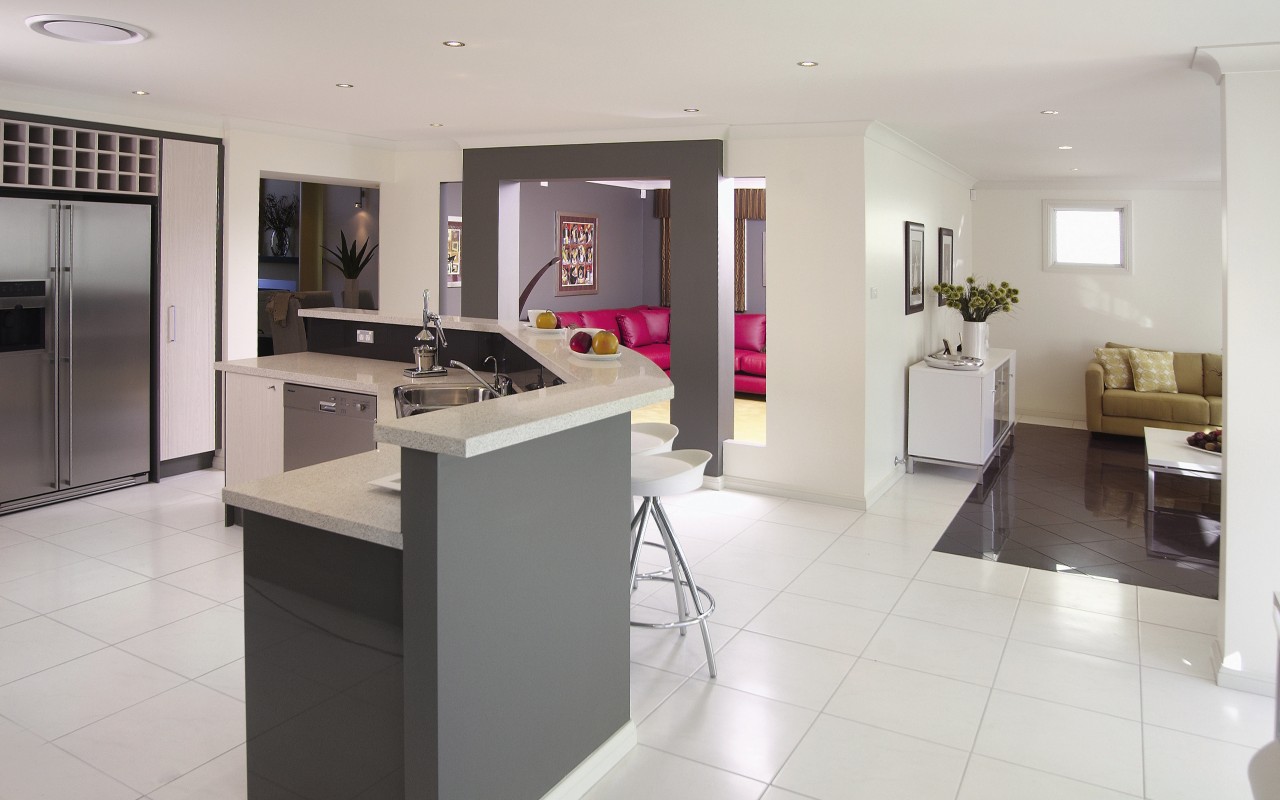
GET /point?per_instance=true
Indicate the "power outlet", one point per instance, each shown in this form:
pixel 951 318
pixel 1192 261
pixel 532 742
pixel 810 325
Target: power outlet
pixel 364 337
pixel 875 293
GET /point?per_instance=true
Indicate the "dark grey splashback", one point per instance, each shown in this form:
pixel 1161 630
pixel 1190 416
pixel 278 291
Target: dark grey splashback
pixel 396 342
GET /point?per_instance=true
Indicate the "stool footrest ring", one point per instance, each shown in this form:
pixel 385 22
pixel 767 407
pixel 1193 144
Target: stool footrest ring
pixel 680 623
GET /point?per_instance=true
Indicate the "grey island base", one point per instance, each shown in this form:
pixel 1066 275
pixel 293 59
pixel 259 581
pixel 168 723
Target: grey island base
pixel 479 649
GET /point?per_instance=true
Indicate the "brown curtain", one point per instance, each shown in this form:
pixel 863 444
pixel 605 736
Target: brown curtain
pixel 747 204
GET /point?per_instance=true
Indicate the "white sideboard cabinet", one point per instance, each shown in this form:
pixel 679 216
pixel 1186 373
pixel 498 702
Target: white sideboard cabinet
pixel 254 433
pixel 960 417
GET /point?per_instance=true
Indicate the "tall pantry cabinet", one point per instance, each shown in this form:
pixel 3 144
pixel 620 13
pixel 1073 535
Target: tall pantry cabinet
pixel 189 195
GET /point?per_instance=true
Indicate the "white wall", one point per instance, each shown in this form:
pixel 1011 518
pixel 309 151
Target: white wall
pixel 1172 300
pixel 815 253
pixel 903 183
pixel 410 227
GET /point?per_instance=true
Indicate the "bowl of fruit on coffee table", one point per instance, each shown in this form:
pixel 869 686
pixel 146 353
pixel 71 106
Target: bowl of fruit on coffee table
pixel 1208 441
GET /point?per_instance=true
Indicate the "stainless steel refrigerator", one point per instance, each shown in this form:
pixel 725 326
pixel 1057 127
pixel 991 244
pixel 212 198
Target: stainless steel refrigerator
pixel 75 348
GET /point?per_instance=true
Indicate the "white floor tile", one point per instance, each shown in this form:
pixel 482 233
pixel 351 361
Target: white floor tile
pixel 876 591
pixel 1198 706
pixel 169 554
pixel 189 512
pixel 11 612
pixel 1180 766
pixel 1072 629
pixel 39 643
pixel 766 570
pixel 781 670
pixel 690 522
pixel 989 779
pixel 8 537
pixel 193 645
pixel 1076 679
pixel 959 608
pixel 937 649
pixel 897 531
pixel 817 516
pixel 1177 650
pixel 1082 592
pixel 739 504
pixel 1175 610
pixel 205 481
pixel 974 573
pixel 221 579
pixel 669 651
pixel 903 560
pixel 237 603
pixel 138 499
pixel 58 518
pixel 228 679
pixel 1082 745
pixel 114 534
pixel 914 703
pixel 899 503
pixel 220 532
pixel 647 773
pixel 223 778
pixel 774 793
pixel 736 603
pixel 149 744
pixel 649 688
pixel 69 696
pixel 129 612
pixel 726 728
pixel 31 769
pixel 784 539
pixel 58 588
pixel 843 760
pixel 819 623
pixel 28 558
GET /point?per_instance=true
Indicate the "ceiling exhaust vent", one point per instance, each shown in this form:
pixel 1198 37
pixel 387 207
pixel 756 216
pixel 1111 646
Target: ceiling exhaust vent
pixel 88 30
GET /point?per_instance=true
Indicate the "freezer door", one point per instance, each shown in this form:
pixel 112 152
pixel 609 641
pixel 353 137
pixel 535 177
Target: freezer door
pixel 106 367
pixel 28 465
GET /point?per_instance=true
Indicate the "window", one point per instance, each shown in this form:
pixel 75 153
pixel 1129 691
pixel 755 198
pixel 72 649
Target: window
pixel 1088 236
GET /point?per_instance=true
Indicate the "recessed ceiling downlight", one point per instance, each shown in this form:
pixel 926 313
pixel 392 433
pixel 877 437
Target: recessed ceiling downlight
pixel 88 30
pixel 806 63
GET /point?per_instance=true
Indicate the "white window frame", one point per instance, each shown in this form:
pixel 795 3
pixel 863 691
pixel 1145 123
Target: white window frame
pixel 1125 207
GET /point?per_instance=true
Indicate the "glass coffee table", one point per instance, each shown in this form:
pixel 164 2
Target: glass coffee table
pixel 1189 528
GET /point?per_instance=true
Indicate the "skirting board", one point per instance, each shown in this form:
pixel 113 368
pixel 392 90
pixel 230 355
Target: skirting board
pixel 578 782
pixel 780 490
pixel 1242 680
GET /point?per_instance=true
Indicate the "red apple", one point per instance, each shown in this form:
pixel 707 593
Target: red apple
pixel 580 342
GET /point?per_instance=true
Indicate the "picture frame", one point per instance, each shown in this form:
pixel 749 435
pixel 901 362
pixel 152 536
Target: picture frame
pixel 453 253
pixel 914 267
pixel 946 259
pixel 577 241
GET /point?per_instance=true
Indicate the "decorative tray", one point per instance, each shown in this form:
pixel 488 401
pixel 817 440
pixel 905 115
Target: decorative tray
pixel 944 361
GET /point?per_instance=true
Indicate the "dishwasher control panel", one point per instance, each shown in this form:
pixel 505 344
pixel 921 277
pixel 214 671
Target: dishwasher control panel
pixel 328 401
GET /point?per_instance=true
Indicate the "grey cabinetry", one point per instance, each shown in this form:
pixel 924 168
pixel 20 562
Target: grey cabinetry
pixel 188 281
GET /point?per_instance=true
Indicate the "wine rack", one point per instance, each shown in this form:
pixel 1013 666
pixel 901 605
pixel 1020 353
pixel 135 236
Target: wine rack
pixel 39 156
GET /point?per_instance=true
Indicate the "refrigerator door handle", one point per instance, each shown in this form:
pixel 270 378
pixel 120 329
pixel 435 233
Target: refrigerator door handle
pixel 68 261
pixel 54 347
pixel 173 323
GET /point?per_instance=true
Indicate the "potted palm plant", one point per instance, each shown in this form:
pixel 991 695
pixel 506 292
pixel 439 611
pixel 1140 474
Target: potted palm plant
pixel 351 259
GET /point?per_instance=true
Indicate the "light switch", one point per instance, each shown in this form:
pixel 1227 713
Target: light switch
pixel 875 293
pixel 364 337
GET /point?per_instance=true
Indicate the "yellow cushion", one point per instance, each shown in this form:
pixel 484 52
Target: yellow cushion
pixel 1115 367
pixel 1152 370
pixel 1191 409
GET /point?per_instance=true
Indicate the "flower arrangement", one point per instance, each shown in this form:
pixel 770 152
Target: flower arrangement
pixel 279 213
pixel 975 302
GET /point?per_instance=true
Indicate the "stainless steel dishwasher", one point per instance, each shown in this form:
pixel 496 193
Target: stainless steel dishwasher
pixel 324 424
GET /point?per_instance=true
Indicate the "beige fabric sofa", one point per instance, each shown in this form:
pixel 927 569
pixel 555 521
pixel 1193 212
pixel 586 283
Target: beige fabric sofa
pixel 1197 405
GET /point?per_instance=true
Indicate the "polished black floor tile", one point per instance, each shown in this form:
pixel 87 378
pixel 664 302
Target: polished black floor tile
pixel 1065 501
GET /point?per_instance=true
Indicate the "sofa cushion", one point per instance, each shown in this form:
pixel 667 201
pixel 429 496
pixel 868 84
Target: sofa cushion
pixel 1212 375
pixel 1116 373
pixel 605 319
pixel 1215 410
pixel 748 332
pixel 633 329
pixel 659 321
pixel 748 384
pixel 659 354
pixel 1161 406
pixel 568 318
pixel 1188 371
pixel 749 361
pixel 1152 370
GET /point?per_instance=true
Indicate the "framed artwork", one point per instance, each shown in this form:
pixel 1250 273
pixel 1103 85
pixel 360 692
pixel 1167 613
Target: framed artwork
pixel 577 236
pixel 453 253
pixel 946 259
pixel 915 267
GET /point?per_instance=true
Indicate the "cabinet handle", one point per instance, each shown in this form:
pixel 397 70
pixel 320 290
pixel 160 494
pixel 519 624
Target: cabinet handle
pixel 173 323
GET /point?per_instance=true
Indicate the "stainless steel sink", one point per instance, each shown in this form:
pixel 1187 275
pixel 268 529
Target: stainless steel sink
pixel 412 398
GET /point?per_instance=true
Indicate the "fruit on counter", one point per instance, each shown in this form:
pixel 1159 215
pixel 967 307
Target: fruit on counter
pixel 547 320
pixel 580 342
pixel 604 343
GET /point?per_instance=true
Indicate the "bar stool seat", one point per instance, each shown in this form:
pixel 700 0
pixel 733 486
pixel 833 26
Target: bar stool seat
pixel 652 478
pixel 648 438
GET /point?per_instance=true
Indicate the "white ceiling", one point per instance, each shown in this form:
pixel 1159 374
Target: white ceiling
pixel 965 80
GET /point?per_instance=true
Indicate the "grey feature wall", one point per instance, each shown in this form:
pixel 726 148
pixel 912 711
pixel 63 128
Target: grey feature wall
pixel 341 215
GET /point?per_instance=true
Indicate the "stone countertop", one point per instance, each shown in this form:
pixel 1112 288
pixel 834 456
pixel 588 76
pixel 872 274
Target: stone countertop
pixel 334 496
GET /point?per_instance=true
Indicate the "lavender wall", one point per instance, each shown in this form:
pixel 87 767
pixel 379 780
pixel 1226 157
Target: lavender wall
pixel 755 267
pixel 341 214
pixel 448 300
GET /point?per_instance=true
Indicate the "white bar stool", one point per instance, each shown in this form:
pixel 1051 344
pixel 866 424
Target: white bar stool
pixel 652 478
pixel 648 438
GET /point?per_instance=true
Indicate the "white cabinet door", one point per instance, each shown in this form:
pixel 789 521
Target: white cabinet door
pixel 188 280
pixel 960 416
pixel 254 436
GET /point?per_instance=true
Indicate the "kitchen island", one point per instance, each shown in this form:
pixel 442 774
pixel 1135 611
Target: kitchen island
pixel 466 637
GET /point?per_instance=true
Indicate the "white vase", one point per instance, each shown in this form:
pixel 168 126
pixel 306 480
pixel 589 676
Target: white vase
pixel 973 335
